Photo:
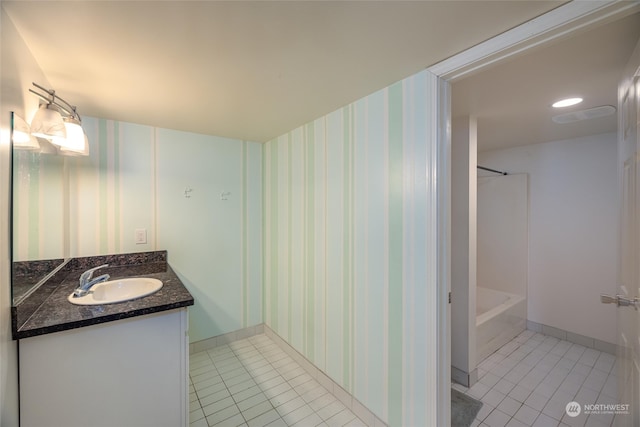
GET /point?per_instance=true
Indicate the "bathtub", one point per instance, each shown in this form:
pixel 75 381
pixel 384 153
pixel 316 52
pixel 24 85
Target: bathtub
pixel 500 316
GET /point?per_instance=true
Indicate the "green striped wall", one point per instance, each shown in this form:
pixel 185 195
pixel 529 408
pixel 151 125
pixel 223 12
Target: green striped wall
pixel 350 230
pixel 134 178
pixel 328 234
pixel 112 191
pixel 38 206
pixel 213 233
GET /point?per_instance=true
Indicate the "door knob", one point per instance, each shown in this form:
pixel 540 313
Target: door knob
pixel 620 301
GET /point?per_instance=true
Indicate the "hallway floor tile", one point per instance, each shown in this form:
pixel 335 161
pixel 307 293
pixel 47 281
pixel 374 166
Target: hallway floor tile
pixel 253 383
pixel 531 379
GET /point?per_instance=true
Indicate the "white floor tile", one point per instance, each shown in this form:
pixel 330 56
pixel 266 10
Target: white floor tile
pixel 211 390
pixel 199 423
pixel 353 423
pixel 322 401
pixel 242 384
pixel 536 401
pixel 478 390
pixel 530 380
pixel 314 393
pixel 555 409
pixel 545 390
pixel 341 418
pixel 562 396
pixel 218 406
pixel 490 379
pixel 545 421
pixel 515 423
pixel 237 379
pixel 504 386
pixel 212 398
pixel 264 419
pixel 604 420
pixel 277 390
pixel 299 414
pixel 497 418
pixel 257 410
pixel 247 393
pixel 234 421
pixel 509 406
pixel 251 402
pixel 493 397
pixel 196 415
pixel 526 415
pixel 222 415
pixel 569 387
pixel 277 423
pixel 586 396
pixel 330 410
pixel 484 412
pixel 519 393
pixel 284 397
pixel 574 421
pixel 515 375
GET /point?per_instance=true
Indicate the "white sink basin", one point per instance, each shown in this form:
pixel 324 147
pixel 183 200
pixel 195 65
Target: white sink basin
pixel 118 291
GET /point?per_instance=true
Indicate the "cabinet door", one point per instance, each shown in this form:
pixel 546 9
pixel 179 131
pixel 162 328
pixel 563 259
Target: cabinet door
pixel 127 373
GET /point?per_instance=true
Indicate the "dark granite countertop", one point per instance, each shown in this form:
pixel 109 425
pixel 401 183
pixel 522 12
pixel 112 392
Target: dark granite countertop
pixel 47 310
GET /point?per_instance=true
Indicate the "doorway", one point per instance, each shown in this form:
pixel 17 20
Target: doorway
pixel 486 56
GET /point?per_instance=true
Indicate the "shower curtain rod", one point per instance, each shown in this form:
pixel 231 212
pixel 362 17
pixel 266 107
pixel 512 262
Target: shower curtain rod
pixel 492 170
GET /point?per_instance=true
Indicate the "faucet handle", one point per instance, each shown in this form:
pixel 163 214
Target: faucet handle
pixel 89 273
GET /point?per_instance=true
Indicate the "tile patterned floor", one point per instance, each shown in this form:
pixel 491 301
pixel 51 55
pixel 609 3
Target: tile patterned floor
pixel 252 382
pixel 530 380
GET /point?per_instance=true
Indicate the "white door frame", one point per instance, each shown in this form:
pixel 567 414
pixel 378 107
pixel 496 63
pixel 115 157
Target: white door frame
pixel 556 24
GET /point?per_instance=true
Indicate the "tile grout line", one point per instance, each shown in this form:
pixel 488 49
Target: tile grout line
pixel 551 359
pixel 251 346
pixel 291 386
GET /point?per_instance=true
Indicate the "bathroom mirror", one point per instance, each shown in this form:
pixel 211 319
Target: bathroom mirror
pixel 38 200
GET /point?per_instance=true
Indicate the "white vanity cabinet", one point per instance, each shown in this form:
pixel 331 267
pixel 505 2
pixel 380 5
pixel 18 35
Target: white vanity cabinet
pixel 125 373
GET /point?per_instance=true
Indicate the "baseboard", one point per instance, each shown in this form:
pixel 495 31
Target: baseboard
pixel 466 379
pixel 361 411
pixel 227 338
pixel 583 340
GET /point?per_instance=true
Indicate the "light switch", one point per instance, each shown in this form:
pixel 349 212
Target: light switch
pixel 141 236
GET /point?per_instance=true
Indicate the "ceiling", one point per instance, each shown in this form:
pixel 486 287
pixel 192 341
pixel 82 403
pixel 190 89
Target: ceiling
pixel 254 70
pixel 512 100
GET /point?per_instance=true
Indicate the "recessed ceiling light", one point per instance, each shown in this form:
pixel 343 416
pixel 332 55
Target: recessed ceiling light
pixel 568 102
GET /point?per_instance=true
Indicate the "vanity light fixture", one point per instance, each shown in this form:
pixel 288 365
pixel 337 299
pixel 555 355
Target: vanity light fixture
pixel 75 134
pixel 567 102
pixel 58 121
pixel 82 151
pixel 48 123
pixel 21 136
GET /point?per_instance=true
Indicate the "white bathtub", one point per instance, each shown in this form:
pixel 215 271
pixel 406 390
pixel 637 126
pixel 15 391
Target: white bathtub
pixel 500 317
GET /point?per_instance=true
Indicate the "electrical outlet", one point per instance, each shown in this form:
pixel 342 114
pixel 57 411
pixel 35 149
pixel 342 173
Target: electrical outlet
pixel 140 236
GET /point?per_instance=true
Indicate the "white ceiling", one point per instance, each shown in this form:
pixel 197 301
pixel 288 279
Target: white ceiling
pixel 250 70
pixel 512 101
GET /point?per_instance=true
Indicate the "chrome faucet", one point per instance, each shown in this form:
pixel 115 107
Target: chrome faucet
pixel 86 281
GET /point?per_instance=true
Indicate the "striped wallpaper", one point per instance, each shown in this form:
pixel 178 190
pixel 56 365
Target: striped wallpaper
pixel 38 206
pixel 350 220
pixel 135 177
pixel 213 231
pixel 111 192
pixel 328 234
